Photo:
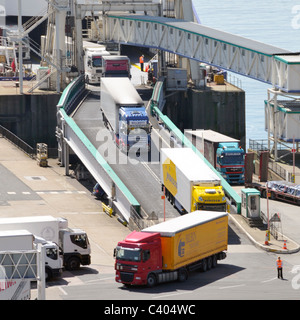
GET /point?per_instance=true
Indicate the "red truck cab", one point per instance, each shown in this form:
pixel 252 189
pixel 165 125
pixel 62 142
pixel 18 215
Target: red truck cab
pixel 137 256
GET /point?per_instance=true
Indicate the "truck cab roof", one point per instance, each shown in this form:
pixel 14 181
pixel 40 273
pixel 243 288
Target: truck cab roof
pixel 141 237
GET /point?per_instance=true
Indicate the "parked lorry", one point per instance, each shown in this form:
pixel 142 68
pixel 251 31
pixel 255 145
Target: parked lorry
pixel 188 182
pixel 116 66
pixel 53 260
pixel 14 240
pixel 93 63
pixel 73 243
pixel 279 190
pixel 168 251
pixel 223 152
pixel 124 114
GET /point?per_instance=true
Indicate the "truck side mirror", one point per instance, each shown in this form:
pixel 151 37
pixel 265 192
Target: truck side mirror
pixel 114 255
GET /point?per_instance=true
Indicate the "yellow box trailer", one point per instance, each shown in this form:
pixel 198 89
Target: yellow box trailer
pixel 192 237
pixel 169 250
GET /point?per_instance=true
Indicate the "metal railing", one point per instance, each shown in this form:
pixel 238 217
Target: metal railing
pixel 258 145
pixel 5 133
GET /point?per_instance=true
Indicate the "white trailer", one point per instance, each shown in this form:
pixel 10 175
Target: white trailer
pixel 124 114
pixel 10 241
pixel 73 243
pixel 190 184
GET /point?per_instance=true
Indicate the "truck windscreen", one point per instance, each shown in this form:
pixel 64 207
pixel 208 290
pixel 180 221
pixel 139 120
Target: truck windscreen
pixel 128 254
pixel 233 158
pixel 97 62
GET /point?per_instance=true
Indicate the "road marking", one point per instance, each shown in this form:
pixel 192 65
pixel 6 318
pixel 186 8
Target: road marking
pixel 160 137
pixel 11 192
pixel 97 280
pixel 269 280
pixel 230 287
pixel 171 294
pixel 63 291
pixel 151 171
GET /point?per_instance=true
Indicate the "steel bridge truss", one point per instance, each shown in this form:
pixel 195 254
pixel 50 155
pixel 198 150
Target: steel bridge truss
pixel 253 59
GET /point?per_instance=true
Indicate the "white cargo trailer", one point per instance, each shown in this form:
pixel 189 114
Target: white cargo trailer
pixel 14 241
pixel 73 242
pixel 124 113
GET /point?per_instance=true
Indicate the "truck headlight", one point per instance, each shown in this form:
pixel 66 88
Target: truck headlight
pixel 200 198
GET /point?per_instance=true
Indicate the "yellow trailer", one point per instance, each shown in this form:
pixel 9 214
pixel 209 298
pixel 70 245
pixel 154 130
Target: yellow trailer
pixel 192 237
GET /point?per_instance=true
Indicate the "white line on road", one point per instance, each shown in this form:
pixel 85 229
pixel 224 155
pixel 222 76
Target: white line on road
pixel 230 287
pixel 172 294
pixel 63 291
pixel 269 280
pixel 151 171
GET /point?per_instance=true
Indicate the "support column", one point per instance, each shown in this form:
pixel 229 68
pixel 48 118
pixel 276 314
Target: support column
pixel 66 158
pixel 78 37
pixel 20 62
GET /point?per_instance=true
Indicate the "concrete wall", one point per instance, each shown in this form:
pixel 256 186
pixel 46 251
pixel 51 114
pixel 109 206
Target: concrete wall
pixel 31 117
pixel 221 108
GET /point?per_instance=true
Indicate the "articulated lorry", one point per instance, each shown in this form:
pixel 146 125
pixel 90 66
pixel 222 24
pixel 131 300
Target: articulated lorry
pixel 124 114
pixel 188 182
pixel 93 63
pixel 14 241
pixel 223 152
pixel 73 243
pixel 116 66
pixel 168 251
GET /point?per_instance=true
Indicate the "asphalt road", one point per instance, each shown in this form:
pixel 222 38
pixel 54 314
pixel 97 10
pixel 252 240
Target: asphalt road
pixel 247 273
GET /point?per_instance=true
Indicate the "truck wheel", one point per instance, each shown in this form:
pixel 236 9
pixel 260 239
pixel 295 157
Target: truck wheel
pixel 151 280
pixel 48 274
pixel 214 261
pixel 182 275
pixel 73 263
pixel 209 263
pixel 204 265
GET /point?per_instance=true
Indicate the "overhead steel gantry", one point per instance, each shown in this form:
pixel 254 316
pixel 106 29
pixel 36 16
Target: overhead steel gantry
pixel 266 63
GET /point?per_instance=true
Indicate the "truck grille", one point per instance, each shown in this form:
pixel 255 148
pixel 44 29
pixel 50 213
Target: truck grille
pixel 126 276
pixel 234 170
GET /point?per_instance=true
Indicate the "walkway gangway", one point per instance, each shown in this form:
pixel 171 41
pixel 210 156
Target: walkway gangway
pixel 250 58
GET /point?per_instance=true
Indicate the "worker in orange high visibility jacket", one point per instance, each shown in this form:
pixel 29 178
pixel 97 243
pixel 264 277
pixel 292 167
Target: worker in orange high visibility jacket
pixel 279 264
pixel 142 62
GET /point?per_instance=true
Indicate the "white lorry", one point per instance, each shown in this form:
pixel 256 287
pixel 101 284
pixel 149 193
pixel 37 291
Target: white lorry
pixel 93 64
pixel 73 243
pixel 53 260
pixel 14 241
pixel 124 114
